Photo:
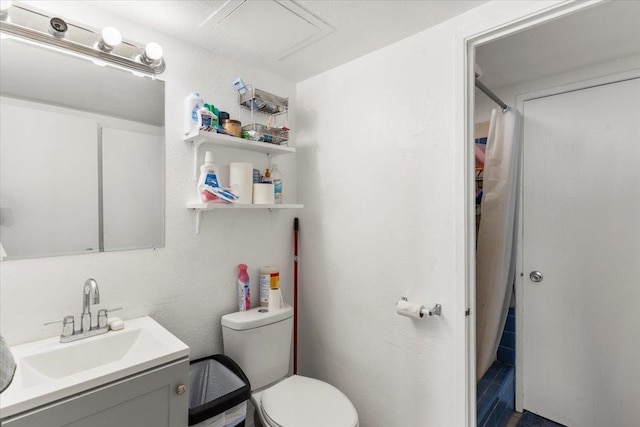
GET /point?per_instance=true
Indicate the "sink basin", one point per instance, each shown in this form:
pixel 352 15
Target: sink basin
pixel 48 370
pixel 65 360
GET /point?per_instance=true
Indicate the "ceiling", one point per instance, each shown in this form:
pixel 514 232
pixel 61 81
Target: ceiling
pixel 294 39
pixel 602 33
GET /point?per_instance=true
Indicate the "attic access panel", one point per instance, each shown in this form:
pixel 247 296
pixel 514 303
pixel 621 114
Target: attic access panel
pixel 272 28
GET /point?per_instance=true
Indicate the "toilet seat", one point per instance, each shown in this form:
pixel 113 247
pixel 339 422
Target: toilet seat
pixel 306 402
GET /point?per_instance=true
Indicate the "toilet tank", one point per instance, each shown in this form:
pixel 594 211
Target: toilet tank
pixel 259 340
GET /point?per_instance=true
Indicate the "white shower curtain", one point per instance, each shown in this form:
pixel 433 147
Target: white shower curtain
pixel 495 260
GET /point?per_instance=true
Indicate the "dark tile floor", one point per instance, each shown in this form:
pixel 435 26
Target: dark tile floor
pixel 529 419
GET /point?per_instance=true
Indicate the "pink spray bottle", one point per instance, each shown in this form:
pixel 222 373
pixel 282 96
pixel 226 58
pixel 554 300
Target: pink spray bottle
pixel 244 296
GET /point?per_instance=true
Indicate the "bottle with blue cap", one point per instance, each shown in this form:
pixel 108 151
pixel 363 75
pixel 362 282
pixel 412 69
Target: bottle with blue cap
pixel 192 104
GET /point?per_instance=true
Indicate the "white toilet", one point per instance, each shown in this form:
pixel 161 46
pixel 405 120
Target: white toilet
pixel 259 341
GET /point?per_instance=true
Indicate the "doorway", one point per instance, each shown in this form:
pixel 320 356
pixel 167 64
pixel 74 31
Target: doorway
pixel 544 86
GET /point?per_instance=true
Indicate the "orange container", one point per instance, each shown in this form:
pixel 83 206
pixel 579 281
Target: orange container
pixel 234 127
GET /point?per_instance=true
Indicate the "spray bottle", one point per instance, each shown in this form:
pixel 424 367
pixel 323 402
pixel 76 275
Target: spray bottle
pixel 244 296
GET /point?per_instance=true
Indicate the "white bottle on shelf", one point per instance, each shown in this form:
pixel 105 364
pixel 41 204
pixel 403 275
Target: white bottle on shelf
pixel 276 178
pixel 205 118
pixel 209 175
pixel 192 104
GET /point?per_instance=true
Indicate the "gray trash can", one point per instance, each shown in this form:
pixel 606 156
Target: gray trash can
pixel 218 392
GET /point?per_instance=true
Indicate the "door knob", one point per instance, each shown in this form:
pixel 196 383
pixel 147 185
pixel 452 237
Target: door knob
pixel 536 276
pixel 181 389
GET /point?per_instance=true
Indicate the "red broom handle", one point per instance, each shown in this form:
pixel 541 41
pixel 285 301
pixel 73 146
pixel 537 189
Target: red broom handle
pixel 295 295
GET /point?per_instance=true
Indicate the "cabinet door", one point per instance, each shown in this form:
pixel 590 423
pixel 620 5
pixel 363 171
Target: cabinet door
pixel 133 207
pixel 144 400
pixel 48 181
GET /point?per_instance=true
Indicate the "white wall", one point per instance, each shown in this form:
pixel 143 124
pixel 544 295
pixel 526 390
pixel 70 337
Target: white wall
pixel 377 226
pixel 191 282
pixel 383 187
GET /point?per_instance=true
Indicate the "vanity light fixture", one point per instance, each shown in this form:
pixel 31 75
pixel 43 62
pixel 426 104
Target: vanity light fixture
pixel 105 47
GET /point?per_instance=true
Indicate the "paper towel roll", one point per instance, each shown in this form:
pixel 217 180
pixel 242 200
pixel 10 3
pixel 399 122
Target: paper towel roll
pixel 275 299
pixel 263 194
pixel 241 181
pixel 405 308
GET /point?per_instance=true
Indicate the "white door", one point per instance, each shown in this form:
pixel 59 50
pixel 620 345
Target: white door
pixel 581 231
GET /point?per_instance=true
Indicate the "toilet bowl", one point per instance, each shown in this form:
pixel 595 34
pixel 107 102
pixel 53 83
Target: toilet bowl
pixel 259 341
pixel 300 401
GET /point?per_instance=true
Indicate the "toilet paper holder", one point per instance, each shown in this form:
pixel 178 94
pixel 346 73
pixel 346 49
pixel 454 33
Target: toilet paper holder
pixel 435 311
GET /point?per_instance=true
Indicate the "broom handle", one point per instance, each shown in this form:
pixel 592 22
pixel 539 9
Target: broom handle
pixel 295 295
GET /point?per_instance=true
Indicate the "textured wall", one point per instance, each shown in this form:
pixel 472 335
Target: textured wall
pixel 378 225
pixel 382 185
pixel 191 282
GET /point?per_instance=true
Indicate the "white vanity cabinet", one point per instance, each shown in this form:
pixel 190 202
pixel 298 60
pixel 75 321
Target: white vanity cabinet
pixel 148 399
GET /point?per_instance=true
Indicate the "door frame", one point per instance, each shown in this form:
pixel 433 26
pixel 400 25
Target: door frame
pixel 466 42
pixel 521 279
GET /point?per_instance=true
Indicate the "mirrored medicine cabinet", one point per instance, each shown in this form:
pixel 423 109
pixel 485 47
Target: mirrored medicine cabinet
pixel 81 155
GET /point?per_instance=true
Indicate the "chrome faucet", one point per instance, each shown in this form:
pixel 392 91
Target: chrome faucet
pixel 90 294
pixel 90 287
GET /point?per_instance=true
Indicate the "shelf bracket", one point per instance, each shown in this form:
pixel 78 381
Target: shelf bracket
pixel 198 218
pixel 196 147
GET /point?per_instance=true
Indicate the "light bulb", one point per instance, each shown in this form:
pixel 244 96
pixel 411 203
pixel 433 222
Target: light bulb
pixel 4 9
pixel 111 37
pixel 153 51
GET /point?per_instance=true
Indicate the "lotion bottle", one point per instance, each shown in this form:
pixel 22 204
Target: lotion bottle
pixel 276 178
pixel 192 104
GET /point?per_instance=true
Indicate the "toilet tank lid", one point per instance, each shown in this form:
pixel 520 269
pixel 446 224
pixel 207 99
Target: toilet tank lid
pixel 256 317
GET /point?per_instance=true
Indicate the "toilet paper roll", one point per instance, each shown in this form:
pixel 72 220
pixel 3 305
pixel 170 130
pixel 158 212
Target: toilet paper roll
pixel 405 308
pixel 263 194
pixel 275 299
pixel 241 181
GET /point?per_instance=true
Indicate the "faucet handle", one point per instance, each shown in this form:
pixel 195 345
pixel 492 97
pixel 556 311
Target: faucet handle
pixel 68 325
pixel 102 316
